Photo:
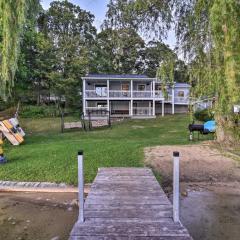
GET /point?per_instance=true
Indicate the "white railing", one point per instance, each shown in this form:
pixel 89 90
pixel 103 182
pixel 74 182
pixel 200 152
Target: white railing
pixel 181 100
pixel 95 94
pixel 143 111
pixel 97 111
pixel 135 94
pixel 159 94
pixel 96 108
pixel 142 94
pixel 119 94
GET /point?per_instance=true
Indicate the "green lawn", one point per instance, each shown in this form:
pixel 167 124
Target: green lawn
pixel 48 155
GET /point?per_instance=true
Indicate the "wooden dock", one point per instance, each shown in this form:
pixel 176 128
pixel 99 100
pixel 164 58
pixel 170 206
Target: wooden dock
pixel 127 203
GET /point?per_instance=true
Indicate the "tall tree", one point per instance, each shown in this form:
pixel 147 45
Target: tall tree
pixel 154 55
pixel 208 33
pixel 13 15
pixel 152 16
pixel 73 34
pixel 117 51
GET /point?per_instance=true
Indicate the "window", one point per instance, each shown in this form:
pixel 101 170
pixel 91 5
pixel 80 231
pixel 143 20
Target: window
pixel 101 90
pixel 180 93
pixel 141 87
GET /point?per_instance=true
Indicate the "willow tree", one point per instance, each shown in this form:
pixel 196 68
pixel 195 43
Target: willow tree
pixel 209 32
pixel 225 29
pixel 13 15
pixel 150 17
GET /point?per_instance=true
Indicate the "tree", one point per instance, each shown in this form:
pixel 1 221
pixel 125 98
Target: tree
pixel 208 31
pixel 35 62
pixel 154 54
pixel 117 51
pixel 13 15
pixel 72 33
pixel 152 16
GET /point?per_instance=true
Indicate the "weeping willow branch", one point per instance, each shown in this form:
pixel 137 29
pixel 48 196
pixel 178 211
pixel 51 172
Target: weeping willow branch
pixel 13 15
pixel 165 72
pixel 209 33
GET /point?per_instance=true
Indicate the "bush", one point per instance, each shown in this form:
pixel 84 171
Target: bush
pixel 204 115
pixel 31 111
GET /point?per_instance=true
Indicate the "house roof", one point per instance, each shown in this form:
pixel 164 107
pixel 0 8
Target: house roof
pixel 128 76
pixel 117 76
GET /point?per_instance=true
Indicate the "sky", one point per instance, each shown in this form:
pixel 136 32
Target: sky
pixel 99 8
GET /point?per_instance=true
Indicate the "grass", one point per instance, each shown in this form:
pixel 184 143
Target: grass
pixel 48 155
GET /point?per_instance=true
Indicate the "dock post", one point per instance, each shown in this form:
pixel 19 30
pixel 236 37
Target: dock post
pixel 176 186
pixel 80 186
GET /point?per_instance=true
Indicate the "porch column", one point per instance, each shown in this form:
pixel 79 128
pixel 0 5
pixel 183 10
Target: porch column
pixel 131 89
pixel 153 89
pixel 108 105
pixel 108 88
pixel 162 108
pixel 131 101
pixel 153 110
pixel 149 108
pixel 83 96
pixel 131 107
pixel 153 96
pixel 173 102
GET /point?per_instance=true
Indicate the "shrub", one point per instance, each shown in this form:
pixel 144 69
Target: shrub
pixel 30 111
pixel 204 115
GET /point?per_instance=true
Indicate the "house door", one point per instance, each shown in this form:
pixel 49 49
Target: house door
pixel 101 90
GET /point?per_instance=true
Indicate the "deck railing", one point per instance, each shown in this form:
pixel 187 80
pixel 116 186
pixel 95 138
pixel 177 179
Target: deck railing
pixel 181 100
pixel 119 94
pixel 158 94
pixel 142 111
pixel 135 94
pixel 96 111
pixel 142 94
pixel 95 94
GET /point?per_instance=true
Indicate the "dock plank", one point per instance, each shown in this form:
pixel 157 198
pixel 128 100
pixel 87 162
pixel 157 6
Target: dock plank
pixel 127 203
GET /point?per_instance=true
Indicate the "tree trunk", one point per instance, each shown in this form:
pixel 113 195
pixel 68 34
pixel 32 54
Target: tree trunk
pixel 225 131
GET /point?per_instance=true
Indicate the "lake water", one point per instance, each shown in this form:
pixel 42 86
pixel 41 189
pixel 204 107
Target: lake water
pixel 212 215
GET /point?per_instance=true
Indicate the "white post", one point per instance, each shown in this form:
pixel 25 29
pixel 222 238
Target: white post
pixel 83 97
pixel 154 108
pixel 173 102
pixel 108 93
pixel 149 108
pixel 80 186
pixel 131 89
pixel 154 83
pixel 153 96
pixel 131 107
pixel 176 186
pixel 108 88
pixel 163 108
pixel 151 89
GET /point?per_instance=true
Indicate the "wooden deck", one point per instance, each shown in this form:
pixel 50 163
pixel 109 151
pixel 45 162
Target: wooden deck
pixel 127 203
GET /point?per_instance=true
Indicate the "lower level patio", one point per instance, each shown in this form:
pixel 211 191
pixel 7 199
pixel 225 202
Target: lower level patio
pixel 129 109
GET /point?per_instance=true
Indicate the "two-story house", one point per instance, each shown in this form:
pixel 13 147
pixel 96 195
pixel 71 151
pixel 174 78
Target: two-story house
pixel 134 96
